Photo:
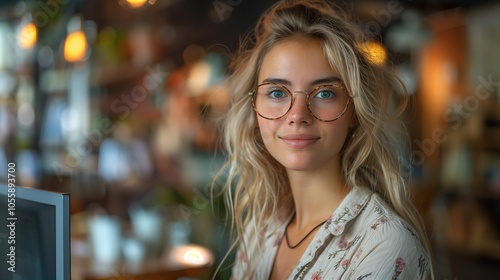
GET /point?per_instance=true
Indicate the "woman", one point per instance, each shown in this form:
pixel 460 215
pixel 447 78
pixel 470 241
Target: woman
pixel 313 179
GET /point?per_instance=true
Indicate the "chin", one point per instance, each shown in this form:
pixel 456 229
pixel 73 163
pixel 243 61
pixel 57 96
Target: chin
pixel 298 165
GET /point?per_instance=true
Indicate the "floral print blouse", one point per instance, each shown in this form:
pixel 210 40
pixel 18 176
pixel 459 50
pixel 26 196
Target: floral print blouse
pixel 363 239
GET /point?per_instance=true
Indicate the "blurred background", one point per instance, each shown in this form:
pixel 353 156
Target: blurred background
pixel 116 102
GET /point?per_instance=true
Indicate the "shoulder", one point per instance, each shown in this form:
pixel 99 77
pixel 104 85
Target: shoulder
pixel 383 226
pixel 389 246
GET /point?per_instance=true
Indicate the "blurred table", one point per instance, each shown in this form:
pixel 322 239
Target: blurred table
pixel 83 269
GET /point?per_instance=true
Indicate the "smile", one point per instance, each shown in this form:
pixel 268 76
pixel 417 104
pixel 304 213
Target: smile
pixel 299 141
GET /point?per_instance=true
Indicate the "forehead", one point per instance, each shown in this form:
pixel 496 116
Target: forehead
pixel 298 60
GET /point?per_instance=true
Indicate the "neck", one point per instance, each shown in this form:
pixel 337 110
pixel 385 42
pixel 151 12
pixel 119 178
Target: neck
pixel 316 195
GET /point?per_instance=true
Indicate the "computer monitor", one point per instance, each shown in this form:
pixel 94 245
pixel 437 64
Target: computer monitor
pixel 34 234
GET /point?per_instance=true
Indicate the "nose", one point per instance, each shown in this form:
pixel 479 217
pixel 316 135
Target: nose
pixel 299 113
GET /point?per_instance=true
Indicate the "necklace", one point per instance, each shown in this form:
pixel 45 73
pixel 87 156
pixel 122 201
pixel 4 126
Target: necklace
pixel 304 238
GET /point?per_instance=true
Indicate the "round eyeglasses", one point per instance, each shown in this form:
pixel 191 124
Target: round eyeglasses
pixel 326 103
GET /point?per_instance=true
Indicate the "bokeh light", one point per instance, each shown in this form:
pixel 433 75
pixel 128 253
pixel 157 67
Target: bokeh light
pixel 27 35
pixel 374 52
pixel 75 46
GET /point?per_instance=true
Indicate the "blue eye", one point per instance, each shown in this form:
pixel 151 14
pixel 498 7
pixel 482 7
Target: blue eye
pixel 324 94
pixel 277 94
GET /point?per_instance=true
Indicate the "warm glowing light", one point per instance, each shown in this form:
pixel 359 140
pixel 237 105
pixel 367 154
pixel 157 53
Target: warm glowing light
pixel 199 78
pixel 75 46
pixel 194 256
pixel 136 3
pixel 27 36
pixel 191 255
pixel 374 51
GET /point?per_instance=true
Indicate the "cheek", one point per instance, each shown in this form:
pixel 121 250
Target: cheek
pixel 267 129
pixel 267 137
pixel 338 133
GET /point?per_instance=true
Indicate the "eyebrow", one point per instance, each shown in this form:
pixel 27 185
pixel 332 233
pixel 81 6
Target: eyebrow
pixel 326 80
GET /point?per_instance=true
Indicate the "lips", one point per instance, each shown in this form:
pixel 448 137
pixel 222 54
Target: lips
pixel 299 141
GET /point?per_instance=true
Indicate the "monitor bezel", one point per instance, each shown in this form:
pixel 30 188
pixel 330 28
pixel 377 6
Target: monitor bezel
pixel 61 202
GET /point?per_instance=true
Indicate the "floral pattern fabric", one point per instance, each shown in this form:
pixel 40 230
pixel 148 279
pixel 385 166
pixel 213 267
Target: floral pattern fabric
pixel 363 239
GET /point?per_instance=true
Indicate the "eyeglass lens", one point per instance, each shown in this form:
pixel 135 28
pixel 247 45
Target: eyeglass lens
pixel 325 102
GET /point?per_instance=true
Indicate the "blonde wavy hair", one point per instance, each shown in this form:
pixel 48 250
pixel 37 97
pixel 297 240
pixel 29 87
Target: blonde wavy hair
pixel 377 151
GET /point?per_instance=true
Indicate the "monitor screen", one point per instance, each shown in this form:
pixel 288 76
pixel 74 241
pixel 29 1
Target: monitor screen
pixel 34 234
